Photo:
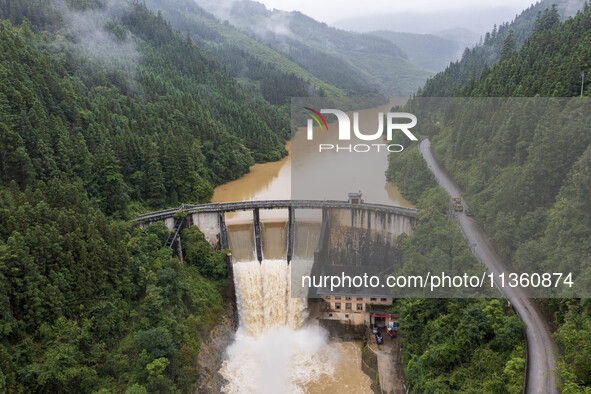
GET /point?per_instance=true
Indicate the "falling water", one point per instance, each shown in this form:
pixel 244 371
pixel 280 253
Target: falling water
pixel 275 240
pixel 273 351
pixel 264 299
pixel 276 350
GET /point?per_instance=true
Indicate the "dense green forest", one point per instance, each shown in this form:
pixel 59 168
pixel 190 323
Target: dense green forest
pixel 162 127
pixel 89 305
pixel 450 345
pixel 508 36
pixel 529 185
pixel 105 111
pixel 461 345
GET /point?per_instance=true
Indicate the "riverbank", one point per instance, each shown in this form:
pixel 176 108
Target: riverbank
pixel 211 353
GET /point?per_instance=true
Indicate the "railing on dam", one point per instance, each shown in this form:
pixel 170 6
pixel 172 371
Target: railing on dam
pixel 273 204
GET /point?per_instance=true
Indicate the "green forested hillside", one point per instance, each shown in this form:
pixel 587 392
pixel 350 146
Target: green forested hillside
pixel 170 122
pixel 359 64
pixel 539 165
pixel 106 111
pixel 461 345
pixel 549 64
pixel 477 60
pixel 530 186
pixel 450 345
pixel 274 74
pixel 87 304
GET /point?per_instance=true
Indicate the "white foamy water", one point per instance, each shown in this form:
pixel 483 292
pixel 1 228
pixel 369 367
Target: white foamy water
pixel 264 299
pixel 273 351
pixel 281 361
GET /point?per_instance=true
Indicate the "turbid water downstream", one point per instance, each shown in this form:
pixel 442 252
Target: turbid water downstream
pixel 276 349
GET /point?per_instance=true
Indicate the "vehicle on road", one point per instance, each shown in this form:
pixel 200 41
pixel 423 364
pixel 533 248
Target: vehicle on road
pixel 379 339
pixel 469 212
pixel 457 203
pixel 391 332
pixel 375 330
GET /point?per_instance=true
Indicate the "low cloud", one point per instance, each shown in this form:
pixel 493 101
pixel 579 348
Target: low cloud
pixel 95 35
pixel 273 25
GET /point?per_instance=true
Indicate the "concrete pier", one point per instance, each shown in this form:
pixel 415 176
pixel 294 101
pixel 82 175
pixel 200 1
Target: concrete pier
pixel 257 234
pixel 209 224
pixel 290 233
pixel 223 231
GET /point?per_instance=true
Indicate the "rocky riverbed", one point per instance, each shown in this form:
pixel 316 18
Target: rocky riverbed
pixel 211 354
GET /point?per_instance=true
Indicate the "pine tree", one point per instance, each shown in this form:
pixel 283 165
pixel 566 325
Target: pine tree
pixel 508 46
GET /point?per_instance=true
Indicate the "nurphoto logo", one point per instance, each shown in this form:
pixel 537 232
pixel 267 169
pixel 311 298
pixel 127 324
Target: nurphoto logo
pixel 344 130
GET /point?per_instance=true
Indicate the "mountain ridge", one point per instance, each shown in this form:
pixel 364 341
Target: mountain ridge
pixel 348 60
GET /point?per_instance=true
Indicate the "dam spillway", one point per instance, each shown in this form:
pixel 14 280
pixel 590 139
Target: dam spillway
pixel 264 299
pixel 274 351
pixel 351 233
pixel 276 347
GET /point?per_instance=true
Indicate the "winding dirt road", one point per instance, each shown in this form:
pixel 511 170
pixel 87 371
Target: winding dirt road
pixel 541 348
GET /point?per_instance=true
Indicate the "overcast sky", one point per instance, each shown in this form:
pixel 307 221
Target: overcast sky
pixel 330 11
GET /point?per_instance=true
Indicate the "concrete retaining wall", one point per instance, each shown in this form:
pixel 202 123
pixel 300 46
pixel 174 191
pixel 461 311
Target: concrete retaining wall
pixel 169 222
pixel 386 223
pixel 357 237
pixel 209 224
pixel 369 366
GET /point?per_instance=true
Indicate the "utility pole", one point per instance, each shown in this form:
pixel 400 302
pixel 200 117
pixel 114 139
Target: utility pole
pixel 583 75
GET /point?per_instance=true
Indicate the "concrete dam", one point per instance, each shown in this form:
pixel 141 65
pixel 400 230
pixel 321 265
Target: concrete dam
pixel 344 224
pixel 277 347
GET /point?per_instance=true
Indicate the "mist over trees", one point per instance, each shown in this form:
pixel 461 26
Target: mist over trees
pixel 178 120
pixel 358 64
